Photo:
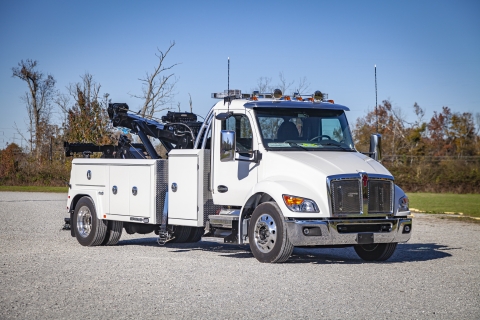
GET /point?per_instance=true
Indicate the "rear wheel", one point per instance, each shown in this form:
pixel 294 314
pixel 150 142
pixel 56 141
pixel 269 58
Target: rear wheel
pixel 181 234
pixel 114 232
pixel 375 251
pixel 89 230
pixel 196 234
pixel 267 234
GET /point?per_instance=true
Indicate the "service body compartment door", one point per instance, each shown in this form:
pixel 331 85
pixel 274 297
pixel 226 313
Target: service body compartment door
pixel 184 170
pixel 141 195
pixel 119 194
pixel 132 189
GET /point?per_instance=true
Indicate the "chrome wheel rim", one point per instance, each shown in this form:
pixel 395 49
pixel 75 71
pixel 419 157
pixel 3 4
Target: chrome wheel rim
pixel 265 234
pixel 84 221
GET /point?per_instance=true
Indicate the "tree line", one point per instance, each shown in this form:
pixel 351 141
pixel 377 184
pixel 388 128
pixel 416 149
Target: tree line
pixel 440 154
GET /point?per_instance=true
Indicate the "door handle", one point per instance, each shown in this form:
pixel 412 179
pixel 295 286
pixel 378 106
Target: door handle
pixel 222 189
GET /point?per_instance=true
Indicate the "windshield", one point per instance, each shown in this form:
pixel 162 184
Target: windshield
pixel 285 129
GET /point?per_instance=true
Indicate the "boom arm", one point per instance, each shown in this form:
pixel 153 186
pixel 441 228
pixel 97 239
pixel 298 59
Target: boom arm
pixel 177 132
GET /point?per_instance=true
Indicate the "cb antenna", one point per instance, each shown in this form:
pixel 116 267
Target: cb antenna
pixel 376 103
pixel 228 79
pixel 228 98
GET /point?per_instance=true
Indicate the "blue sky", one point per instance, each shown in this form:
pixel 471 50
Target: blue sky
pixel 425 51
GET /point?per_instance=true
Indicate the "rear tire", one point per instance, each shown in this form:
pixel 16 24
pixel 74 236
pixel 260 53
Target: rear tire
pixel 114 232
pixel 267 234
pixel 89 230
pixel 181 234
pixel 375 251
pixel 196 234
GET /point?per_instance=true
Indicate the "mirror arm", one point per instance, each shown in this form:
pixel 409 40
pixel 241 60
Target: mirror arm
pixel 257 156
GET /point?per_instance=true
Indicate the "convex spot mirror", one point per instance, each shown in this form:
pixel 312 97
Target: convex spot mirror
pixel 227 147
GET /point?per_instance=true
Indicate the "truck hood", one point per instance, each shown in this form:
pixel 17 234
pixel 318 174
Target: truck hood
pixel 326 163
pixel 304 174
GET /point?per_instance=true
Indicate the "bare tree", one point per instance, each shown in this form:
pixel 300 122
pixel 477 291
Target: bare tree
pixel 38 99
pixel 303 86
pixel 62 101
pixel 283 84
pixel 263 84
pixel 158 86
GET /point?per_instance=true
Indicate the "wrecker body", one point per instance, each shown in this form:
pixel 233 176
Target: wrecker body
pixel 266 170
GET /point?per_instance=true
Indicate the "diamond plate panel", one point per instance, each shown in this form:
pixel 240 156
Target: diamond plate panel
pixel 161 188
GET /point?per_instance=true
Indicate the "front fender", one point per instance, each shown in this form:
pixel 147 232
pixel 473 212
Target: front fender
pixel 277 188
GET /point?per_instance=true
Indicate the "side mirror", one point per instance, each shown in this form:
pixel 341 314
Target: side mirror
pixel 227 145
pixel 376 146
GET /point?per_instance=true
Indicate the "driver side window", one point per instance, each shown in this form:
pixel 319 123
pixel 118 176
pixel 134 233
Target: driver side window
pixel 240 124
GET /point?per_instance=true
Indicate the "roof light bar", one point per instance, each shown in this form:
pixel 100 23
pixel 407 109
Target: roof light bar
pixel 277 94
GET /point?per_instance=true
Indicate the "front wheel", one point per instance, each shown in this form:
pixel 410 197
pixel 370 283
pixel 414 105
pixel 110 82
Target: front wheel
pixel 267 234
pixel 375 251
pixel 89 230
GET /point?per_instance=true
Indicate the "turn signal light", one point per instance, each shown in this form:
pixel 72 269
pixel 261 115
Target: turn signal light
pixel 289 200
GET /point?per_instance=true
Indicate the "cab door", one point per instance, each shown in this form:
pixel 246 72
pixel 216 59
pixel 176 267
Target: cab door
pixel 232 181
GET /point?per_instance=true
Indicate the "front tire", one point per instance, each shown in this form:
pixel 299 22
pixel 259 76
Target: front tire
pixel 267 234
pixel 375 251
pixel 89 230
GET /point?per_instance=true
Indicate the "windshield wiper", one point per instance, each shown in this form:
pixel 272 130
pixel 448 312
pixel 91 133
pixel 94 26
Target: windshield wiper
pixel 294 144
pixel 336 145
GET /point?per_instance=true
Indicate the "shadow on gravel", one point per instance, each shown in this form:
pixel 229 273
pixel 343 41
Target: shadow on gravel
pixel 405 252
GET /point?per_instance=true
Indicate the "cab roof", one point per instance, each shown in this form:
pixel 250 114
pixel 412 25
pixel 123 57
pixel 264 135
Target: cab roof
pixel 275 103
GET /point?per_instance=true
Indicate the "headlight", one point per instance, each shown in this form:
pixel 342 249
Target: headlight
pixel 298 204
pixel 403 204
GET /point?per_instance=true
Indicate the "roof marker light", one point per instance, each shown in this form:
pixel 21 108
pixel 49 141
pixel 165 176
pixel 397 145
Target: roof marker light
pixel 277 93
pixel 318 95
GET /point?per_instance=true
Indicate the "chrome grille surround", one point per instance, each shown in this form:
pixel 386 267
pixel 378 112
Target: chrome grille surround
pixel 360 194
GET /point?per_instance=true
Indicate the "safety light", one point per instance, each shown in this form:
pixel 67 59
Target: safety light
pixel 318 95
pixel 277 93
pixel 298 204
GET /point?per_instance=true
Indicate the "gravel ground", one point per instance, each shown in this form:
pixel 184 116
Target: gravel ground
pixel 46 274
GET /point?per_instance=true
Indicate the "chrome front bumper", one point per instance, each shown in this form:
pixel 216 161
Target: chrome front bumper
pixel 348 231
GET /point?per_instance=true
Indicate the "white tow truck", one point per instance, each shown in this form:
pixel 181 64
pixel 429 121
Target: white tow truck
pixel 271 171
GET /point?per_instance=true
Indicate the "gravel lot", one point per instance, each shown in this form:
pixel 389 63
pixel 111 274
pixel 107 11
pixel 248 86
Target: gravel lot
pixel 46 274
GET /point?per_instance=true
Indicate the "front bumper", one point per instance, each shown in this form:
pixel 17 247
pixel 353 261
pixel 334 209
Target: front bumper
pixel 348 231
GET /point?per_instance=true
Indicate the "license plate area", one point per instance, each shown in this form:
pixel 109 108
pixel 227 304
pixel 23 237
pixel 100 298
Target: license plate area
pixel 365 238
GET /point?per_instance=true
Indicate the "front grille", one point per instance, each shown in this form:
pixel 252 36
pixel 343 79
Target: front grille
pixel 346 196
pixel 379 196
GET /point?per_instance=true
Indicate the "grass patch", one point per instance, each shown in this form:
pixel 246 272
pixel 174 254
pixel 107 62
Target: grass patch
pixel 34 189
pixel 468 204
